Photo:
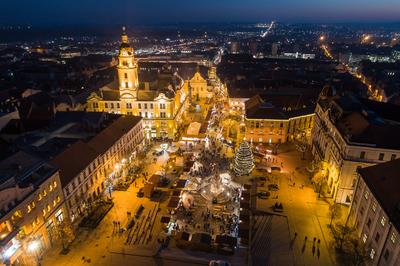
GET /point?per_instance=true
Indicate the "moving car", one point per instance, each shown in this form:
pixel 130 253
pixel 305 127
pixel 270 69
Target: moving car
pixel 263 194
pixel 273 187
pixel 140 193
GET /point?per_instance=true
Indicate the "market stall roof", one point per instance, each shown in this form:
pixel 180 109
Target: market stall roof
pixel 176 193
pixel 173 202
pixel 247 186
pixel 245 205
pixel 244 230
pixel 165 219
pixel 226 240
pixel 181 183
pixel 202 238
pixel 193 129
pixel 183 236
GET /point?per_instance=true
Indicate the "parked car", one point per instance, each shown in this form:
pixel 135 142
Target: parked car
pixel 139 211
pixel 263 178
pixel 275 169
pixel 273 187
pixel 264 169
pixel 278 207
pixel 140 193
pixel 263 194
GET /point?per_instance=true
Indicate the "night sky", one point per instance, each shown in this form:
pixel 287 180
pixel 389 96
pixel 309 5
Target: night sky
pixel 64 12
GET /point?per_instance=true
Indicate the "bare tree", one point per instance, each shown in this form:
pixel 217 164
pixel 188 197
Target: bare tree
pixel 358 252
pixel 65 233
pixel 335 211
pixel 341 234
pixel 319 178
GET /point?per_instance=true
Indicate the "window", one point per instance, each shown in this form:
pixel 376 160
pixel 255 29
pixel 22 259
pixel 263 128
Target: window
pixel 362 155
pixel 118 105
pixel 129 105
pixel 374 206
pixel 151 106
pixel 372 254
pixel 393 237
pixel 257 125
pixel 369 222
pixel 162 114
pixel 126 85
pixel 383 221
pixel 366 194
pixel 386 255
pixel 106 105
pixel 281 125
pixel 112 105
pixel 365 238
pixel 140 113
pixel 377 237
pixel 381 156
pixel 162 105
pixel 126 75
pixel 139 105
pixel 393 157
pixel 145 106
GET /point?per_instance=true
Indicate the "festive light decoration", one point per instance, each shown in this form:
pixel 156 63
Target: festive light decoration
pixel 244 161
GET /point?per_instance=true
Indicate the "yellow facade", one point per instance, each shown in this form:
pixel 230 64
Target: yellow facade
pixel 199 88
pixel 279 130
pixel 162 113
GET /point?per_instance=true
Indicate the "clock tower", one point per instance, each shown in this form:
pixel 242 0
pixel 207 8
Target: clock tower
pixel 128 82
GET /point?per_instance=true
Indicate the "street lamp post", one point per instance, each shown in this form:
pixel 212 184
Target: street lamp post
pixel 33 248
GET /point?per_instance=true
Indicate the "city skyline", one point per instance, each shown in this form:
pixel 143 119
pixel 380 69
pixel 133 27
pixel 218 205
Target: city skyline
pixel 156 12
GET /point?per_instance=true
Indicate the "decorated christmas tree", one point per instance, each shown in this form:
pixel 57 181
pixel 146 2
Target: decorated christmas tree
pixel 244 161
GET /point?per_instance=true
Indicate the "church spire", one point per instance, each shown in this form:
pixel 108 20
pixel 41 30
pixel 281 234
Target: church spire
pixel 124 36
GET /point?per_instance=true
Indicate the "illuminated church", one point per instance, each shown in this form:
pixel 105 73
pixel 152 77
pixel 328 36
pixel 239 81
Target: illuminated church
pixel 162 102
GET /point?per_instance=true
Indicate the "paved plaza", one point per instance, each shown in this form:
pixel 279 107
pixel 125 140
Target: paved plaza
pixel 307 215
pixel 297 235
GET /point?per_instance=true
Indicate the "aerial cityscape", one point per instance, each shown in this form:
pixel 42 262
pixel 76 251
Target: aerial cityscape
pixel 220 133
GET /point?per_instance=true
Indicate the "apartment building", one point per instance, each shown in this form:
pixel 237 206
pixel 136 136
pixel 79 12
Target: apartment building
pixel 30 208
pixel 375 210
pixel 350 133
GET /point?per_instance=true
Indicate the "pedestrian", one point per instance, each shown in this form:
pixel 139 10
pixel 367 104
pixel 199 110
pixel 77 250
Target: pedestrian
pixel 318 253
pixel 319 241
pixel 314 239
pixel 305 238
pixel 313 250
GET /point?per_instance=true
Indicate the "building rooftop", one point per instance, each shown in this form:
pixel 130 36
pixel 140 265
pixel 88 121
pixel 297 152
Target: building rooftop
pixel 24 169
pixel 278 106
pixel 364 122
pixel 74 160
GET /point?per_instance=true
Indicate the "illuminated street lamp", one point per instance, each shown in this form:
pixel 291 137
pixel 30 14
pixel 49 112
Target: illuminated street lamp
pixel 322 38
pixel 33 248
pixel 365 38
